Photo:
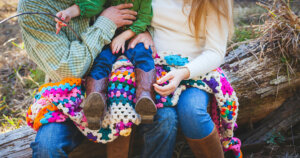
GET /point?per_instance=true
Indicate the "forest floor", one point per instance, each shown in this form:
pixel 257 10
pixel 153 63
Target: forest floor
pixel 20 77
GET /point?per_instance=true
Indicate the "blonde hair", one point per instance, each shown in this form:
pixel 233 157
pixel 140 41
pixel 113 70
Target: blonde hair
pixel 199 9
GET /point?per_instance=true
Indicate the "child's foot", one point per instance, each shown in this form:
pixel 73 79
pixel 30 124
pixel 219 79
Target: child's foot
pixel 93 109
pixel 95 104
pixel 145 105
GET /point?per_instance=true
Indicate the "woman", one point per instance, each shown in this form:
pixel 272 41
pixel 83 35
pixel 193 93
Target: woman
pixel 198 29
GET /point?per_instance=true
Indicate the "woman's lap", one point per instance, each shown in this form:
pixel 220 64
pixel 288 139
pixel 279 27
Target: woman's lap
pixel 194 120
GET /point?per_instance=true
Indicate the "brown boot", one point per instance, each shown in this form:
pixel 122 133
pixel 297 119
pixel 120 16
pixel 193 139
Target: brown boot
pixel 145 95
pixel 95 102
pixel 119 148
pixel 208 147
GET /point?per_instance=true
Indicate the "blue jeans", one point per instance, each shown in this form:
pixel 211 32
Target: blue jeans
pixel 139 56
pixel 194 120
pixel 56 140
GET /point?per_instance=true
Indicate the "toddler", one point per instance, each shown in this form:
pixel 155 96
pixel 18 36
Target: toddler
pixel 97 81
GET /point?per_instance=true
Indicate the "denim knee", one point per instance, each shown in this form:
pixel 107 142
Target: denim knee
pixel 160 136
pixel 56 140
pixel 193 117
pixel 103 64
pixel 167 117
pixel 141 57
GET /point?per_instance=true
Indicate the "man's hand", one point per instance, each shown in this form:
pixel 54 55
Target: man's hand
pixel 121 15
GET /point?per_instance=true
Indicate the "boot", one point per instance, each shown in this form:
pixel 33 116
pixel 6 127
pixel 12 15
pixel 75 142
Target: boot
pixel 208 147
pixel 145 95
pixel 119 148
pixel 95 102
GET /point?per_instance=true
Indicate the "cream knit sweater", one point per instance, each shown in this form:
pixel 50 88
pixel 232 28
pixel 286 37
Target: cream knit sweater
pixel 172 33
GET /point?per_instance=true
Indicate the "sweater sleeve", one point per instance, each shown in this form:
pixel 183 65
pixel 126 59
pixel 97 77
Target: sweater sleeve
pixel 90 8
pixel 214 50
pixel 144 17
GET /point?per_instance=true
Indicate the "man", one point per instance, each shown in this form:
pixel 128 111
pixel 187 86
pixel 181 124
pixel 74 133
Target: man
pixel 63 55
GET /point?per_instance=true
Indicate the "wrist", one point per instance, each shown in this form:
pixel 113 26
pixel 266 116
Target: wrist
pixel 185 73
pixel 74 11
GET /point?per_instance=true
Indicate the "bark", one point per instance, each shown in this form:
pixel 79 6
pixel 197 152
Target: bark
pixel 281 127
pixel 262 83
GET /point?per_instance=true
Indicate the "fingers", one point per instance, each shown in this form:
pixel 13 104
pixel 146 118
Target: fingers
pixel 154 51
pixel 133 43
pixel 123 49
pixel 128 17
pixel 126 22
pixel 147 44
pixel 112 48
pixel 124 6
pixel 128 12
pixel 63 17
pixel 169 76
pixel 59 14
pixel 164 90
pixel 118 48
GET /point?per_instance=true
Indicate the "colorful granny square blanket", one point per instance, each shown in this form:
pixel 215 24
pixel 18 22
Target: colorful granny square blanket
pixel 55 102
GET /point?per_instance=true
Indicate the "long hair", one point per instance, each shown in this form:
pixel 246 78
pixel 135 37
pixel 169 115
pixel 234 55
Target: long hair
pixel 199 10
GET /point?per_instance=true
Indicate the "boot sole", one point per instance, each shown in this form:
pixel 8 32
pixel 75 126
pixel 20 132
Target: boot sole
pixel 94 110
pixel 147 109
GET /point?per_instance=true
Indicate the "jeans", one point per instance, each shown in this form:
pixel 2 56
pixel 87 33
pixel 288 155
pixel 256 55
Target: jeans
pixel 139 56
pixel 56 140
pixel 194 120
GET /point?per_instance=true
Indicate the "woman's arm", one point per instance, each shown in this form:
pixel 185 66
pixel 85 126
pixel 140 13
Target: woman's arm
pixel 211 58
pixel 215 46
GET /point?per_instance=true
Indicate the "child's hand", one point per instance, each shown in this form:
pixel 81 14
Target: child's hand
pixel 64 15
pixel 117 44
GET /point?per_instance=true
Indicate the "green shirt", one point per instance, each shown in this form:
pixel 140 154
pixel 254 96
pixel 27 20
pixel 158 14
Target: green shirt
pixel 62 55
pixel 91 8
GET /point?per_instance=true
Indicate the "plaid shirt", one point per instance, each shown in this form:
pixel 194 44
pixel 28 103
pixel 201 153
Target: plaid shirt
pixel 61 56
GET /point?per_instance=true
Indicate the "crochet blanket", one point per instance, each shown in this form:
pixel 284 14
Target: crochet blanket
pixel 56 102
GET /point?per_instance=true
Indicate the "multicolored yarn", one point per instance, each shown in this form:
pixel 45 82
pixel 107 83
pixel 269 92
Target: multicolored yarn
pixel 56 102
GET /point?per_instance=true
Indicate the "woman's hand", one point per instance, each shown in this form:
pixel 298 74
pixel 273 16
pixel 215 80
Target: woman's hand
pixel 145 38
pixel 174 77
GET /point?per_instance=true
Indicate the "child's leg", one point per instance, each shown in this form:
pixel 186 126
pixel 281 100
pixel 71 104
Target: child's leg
pixel 103 64
pixel 143 62
pixel 96 88
pixel 141 57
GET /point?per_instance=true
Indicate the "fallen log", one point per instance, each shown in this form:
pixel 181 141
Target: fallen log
pixel 281 128
pixel 261 83
pixel 16 144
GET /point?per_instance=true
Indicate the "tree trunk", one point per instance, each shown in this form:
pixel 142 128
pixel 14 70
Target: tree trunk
pixel 261 83
pixel 280 127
